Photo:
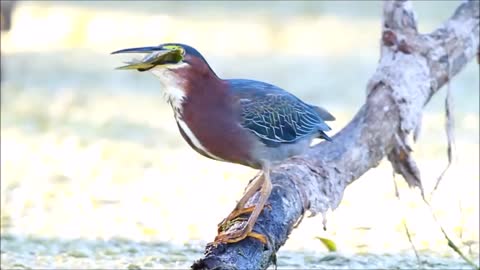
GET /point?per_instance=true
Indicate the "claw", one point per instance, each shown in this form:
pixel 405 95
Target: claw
pixel 228 238
pixel 234 214
pixel 260 237
pixel 239 234
pixel 226 224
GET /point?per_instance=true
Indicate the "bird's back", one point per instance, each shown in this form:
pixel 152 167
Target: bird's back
pixel 276 116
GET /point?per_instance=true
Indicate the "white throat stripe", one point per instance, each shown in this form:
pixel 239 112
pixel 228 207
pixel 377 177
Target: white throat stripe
pixel 194 139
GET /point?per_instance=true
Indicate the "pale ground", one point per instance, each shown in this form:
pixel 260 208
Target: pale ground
pixel 95 174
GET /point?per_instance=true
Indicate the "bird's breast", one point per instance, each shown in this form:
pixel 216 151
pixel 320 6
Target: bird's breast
pixel 191 138
pixel 212 128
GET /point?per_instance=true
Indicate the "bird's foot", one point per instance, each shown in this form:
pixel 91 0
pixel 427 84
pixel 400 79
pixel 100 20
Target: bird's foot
pixel 238 233
pixel 230 231
pixel 235 214
pixel 237 228
pixel 233 217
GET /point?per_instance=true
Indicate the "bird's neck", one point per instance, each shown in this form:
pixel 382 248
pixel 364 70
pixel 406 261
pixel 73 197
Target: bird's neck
pixel 173 86
pixel 181 84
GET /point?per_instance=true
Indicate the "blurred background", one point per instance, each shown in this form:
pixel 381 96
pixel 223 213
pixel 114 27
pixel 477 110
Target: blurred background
pixel 94 172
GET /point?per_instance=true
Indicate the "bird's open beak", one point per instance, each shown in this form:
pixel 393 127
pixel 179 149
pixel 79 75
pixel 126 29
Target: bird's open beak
pixel 155 56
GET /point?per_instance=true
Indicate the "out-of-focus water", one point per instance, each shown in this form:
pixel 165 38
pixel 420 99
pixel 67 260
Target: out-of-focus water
pixel 94 173
pixel 118 253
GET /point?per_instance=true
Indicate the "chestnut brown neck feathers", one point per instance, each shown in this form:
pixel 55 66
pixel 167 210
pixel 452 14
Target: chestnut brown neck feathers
pixel 202 105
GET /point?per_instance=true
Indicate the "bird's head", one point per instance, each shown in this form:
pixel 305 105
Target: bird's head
pixel 167 59
pixel 179 68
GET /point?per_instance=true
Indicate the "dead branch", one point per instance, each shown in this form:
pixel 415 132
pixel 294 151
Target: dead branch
pixel 412 68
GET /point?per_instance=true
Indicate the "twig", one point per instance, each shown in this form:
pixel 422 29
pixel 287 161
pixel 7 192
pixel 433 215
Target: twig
pixel 419 261
pixel 405 227
pixel 449 125
pixel 451 244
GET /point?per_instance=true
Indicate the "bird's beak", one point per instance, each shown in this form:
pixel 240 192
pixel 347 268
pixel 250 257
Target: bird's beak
pixel 155 56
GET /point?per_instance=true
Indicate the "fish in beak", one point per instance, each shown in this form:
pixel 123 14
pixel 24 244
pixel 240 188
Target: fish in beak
pixel 156 56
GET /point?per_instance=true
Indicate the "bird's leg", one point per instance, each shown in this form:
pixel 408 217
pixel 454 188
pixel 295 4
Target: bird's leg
pixel 251 189
pixel 241 234
pixel 252 180
pixel 240 207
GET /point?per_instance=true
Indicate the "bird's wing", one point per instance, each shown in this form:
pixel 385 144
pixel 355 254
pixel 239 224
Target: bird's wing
pixel 276 116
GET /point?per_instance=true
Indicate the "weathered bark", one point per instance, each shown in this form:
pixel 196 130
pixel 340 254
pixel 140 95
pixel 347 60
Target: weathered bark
pixel 412 68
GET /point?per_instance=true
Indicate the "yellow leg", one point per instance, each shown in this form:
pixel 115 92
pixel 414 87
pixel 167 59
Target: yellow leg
pixel 257 184
pixel 239 235
pixel 239 208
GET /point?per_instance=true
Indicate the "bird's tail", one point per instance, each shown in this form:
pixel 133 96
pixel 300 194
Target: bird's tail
pixel 324 136
pixel 324 114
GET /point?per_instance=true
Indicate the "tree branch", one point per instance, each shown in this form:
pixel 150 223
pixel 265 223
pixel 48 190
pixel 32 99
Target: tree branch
pixel 412 68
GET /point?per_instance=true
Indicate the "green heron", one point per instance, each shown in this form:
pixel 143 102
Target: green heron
pixel 236 120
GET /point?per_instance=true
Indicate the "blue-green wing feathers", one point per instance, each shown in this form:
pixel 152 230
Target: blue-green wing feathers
pixel 276 116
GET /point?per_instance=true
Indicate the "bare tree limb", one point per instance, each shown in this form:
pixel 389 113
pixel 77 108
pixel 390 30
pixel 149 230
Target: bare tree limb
pixel 412 68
